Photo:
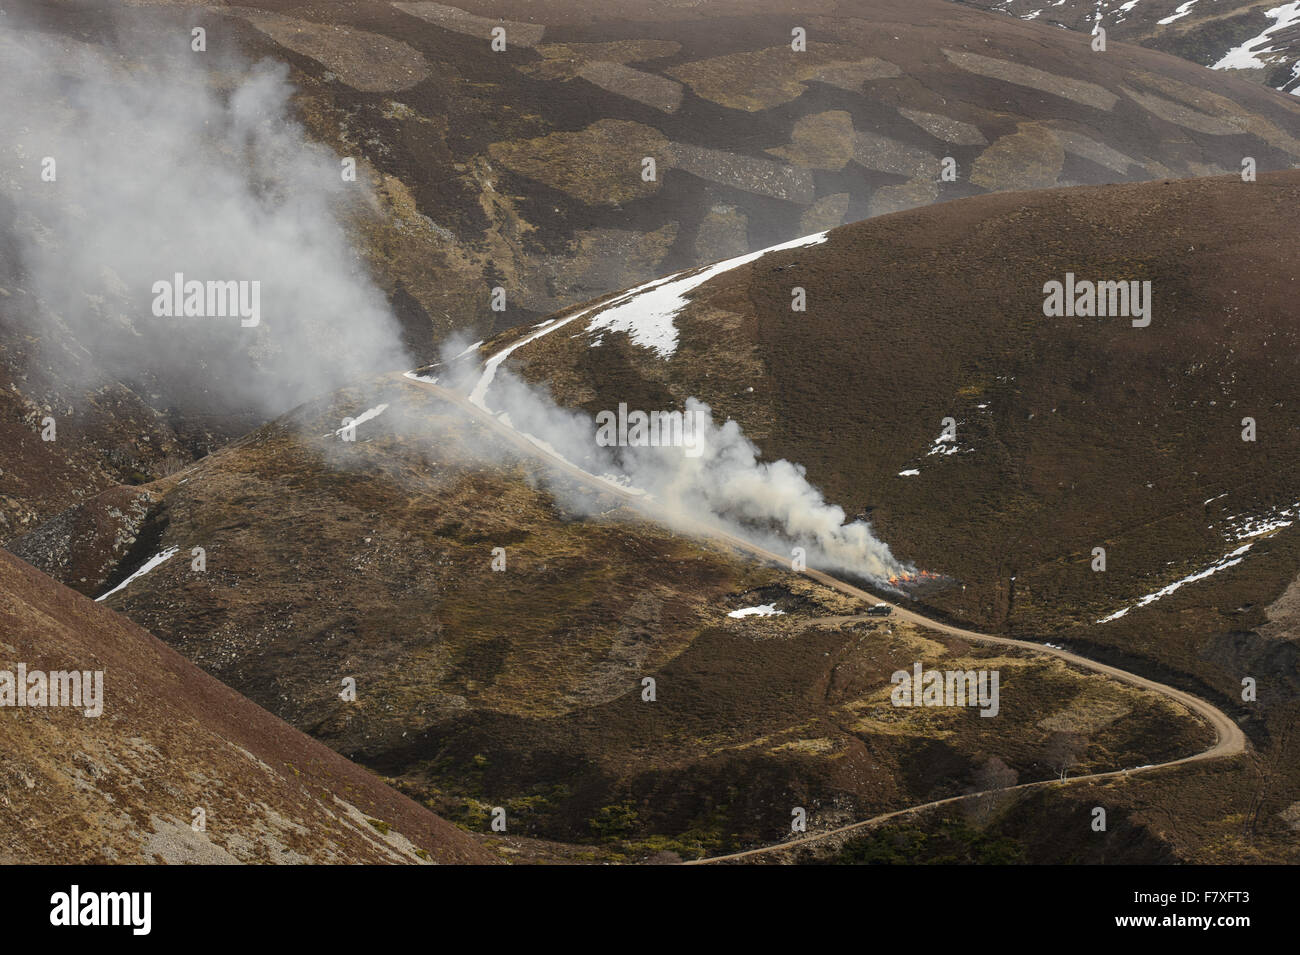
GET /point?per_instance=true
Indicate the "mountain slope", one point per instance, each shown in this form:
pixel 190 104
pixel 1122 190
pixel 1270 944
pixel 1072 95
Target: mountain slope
pixel 939 312
pixel 525 688
pixel 522 170
pixel 754 143
pixel 1071 433
pixel 1257 39
pixel 123 786
pixel 523 167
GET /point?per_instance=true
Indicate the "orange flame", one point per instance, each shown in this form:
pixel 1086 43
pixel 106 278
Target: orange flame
pixel 913 578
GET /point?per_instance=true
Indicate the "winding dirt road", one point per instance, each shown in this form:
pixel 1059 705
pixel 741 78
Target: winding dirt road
pixel 1229 739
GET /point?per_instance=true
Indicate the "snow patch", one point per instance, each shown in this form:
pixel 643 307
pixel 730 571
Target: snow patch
pixel 647 314
pixel 1243 526
pixel 1246 56
pixel 1182 11
pixel 947 444
pixel 1223 563
pixel 149 565
pixel 367 415
pixel 762 610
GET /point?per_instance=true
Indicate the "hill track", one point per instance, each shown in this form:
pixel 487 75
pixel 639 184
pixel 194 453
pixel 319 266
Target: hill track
pixel 1229 738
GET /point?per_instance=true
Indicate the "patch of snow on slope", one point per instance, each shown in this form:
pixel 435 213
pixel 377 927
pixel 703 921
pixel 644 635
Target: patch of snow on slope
pixel 1243 526
pixel 649 323
pixel 944 444
pixel 647 316
pixel 1182 11
pixel 149 565
pixel 362 418
pixel 947 444
pixel 478 394
pixel 1246 56
pixel 1223 563
pixel 762 610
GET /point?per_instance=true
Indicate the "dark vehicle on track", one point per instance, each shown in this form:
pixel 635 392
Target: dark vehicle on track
pixel 879 610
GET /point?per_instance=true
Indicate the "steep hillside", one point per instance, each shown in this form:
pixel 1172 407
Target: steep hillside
pixel 66 432
pixel 568 649
pixel 1071 433
pixel 1256 39
pixel 519 170
pixel 524 167
pixel 176 768
pixel 524 688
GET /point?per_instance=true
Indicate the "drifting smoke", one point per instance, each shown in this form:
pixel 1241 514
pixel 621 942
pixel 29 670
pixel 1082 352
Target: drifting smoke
pixel 164 161
pixel 173 162
pixel 769 503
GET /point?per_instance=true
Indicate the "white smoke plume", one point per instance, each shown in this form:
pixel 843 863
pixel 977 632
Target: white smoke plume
pixel 165 161
pixel 171 161
pixel 769 503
